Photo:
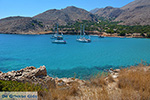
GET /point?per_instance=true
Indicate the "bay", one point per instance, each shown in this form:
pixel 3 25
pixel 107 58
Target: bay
pixel 71 59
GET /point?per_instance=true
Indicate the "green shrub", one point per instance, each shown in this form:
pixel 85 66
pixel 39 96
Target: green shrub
pixel 148 35
pixel 122 34
pixel 18 86
pixel 142 34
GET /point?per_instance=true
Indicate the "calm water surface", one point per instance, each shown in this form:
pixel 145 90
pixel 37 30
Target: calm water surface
pixel 64 60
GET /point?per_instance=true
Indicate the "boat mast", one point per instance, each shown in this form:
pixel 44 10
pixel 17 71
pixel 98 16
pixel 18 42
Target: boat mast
pixel 57 29
pixel 54 30
pixel 83 30
pixel 80 30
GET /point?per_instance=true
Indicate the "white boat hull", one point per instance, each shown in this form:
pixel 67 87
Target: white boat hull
pixel 59 41
pixel 84 40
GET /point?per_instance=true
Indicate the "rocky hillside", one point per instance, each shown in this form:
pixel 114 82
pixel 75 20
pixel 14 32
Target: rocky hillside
pixel 64 16
pixel 136 3
pixel 44 21
pixel 20 25
pixel 134 13
pixel 93 11
pixel 109 12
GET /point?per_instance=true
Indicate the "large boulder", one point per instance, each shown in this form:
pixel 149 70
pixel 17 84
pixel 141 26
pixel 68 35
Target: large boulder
pixel 40 71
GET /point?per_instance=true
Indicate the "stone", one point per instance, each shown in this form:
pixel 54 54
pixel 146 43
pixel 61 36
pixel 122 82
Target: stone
pixel 114 76
pixel 1 73
pixel 29 68
pixel 18 74
pixel 51 83
pixel 40 71
pixel 111 70
pixel 117 70
pixel 61 83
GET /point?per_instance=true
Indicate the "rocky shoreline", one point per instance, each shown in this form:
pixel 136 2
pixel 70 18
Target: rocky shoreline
pixel 115 84
pixel 37 76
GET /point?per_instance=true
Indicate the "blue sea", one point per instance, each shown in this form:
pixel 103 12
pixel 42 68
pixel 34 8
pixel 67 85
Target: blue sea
pixel 72 59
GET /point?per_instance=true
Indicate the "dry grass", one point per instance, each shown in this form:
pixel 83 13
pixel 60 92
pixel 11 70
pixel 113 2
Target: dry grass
pixel 133 84
pixel 98 80
pixel 135 79
pixel 65 93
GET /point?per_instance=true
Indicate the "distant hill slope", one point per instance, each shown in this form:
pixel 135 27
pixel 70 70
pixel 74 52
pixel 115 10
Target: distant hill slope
pixel 44 21
pixel 136 3
pixel 109 12
pixel 64 16
pixel 93 11
pixel 134 13
pixel 20 25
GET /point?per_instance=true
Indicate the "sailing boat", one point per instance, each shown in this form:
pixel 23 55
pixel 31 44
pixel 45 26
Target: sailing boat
pixel 82 37
pixel 59 38
pixel 55 34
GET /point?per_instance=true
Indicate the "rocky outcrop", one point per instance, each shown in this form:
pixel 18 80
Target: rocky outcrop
pixel 109 12
pixel 28 74
pixel 38 76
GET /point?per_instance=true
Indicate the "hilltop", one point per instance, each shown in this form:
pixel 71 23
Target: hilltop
pixel 64 16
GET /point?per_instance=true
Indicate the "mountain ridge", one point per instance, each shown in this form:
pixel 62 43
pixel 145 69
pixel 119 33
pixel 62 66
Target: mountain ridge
pixel 44 21
pixel 134 13
pixel 109 12
pixel 66 15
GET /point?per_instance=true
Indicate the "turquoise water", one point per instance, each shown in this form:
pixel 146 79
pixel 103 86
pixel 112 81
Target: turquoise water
pixel 63 60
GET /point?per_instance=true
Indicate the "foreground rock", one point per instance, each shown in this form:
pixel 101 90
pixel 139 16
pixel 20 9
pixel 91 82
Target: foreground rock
pixel 38 76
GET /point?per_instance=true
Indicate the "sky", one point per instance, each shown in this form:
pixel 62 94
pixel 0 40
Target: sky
pixel 30 8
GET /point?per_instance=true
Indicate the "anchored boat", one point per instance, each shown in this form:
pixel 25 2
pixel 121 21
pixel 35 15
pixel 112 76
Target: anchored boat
pixel 82 37
pixel 54 34
pixel 59 38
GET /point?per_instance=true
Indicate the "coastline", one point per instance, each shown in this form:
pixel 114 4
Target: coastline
pixel 95 34
pixel 105 86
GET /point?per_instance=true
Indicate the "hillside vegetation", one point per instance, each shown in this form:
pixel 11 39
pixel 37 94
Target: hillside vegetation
pixel 106 25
